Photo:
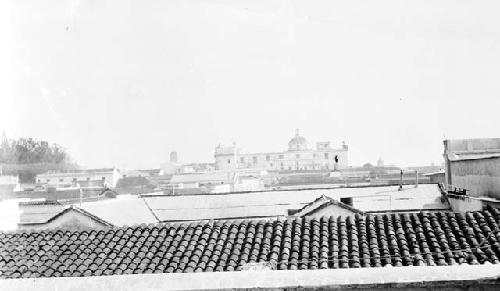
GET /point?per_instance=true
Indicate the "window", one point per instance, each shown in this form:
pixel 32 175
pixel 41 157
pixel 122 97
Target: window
pixel 229 161
pixel 336 159
pixel 271 164
pixel 88 178
pixel 242 160
pixel 74 179
pixel 327 156
pixel 282 157
pixel 60 180
pixel 268 158
pixel 297 156
pixel 104 178
pixel 48 180
pixel 39 181
pixel 255 160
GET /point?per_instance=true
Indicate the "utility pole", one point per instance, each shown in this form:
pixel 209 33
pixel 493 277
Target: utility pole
pixel 401 180
pixel 80 190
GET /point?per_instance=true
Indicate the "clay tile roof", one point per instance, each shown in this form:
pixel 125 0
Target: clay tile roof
pixel 418 239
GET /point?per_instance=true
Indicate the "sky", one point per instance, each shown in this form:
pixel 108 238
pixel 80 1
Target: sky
pixel 122 83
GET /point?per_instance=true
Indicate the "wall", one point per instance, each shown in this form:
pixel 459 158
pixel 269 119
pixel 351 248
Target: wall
pixel 169 168
pixel 464 204
pixel 249 185
pixel 62 179
pixel 474 144
pixel 9 180
pixel 220 188
pixel 296 160
pixel 481 177
pixel 461 277
pixel 438 178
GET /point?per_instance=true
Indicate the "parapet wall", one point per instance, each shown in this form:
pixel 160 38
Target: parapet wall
pixel 481 177
pixel 461 277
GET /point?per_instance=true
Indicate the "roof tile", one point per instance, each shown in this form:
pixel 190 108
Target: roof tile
pixel 420 239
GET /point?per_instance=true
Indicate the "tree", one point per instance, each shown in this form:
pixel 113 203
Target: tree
pixel 26 157
pixel 30 151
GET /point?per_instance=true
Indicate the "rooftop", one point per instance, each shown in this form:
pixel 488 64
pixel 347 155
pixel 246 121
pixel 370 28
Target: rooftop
pixel 417 239
pixel 276 203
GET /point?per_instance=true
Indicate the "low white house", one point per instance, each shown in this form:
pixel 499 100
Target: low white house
pixel 10 183
pixel 107 177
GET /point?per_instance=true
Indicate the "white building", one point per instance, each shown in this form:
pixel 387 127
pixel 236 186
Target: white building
pixel 220 181
pixel 107 177
pixel 9 183
pixel 298 157
pixel 173 166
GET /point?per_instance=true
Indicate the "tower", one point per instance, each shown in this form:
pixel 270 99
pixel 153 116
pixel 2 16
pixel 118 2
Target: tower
pixel 380 162
pixel 173 157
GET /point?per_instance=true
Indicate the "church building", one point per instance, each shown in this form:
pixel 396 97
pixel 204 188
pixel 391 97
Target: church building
pixel 298 157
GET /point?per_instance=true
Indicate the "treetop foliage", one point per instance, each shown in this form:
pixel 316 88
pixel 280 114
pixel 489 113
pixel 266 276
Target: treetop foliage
pixel 30 151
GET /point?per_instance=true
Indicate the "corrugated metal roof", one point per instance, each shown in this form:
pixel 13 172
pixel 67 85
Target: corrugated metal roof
pixel 120 212
pixel 275 203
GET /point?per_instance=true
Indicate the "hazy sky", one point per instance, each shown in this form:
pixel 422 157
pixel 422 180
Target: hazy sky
pixel 122 83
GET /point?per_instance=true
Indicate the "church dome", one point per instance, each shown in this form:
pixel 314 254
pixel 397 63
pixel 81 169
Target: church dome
pixel 297 143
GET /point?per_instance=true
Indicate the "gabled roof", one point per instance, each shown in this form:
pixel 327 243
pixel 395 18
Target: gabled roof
pixel 417 239
pixel 67 210
pixel 322 202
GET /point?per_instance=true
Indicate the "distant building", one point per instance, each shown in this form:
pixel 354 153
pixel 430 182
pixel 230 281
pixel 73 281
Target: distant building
pixel 218 182
pixel 107 177
pixel 298 157
pixel 141 173
pixel 474 164
pixel 436 177
pixel 9 183
pixel 174 167
pixel 425 169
